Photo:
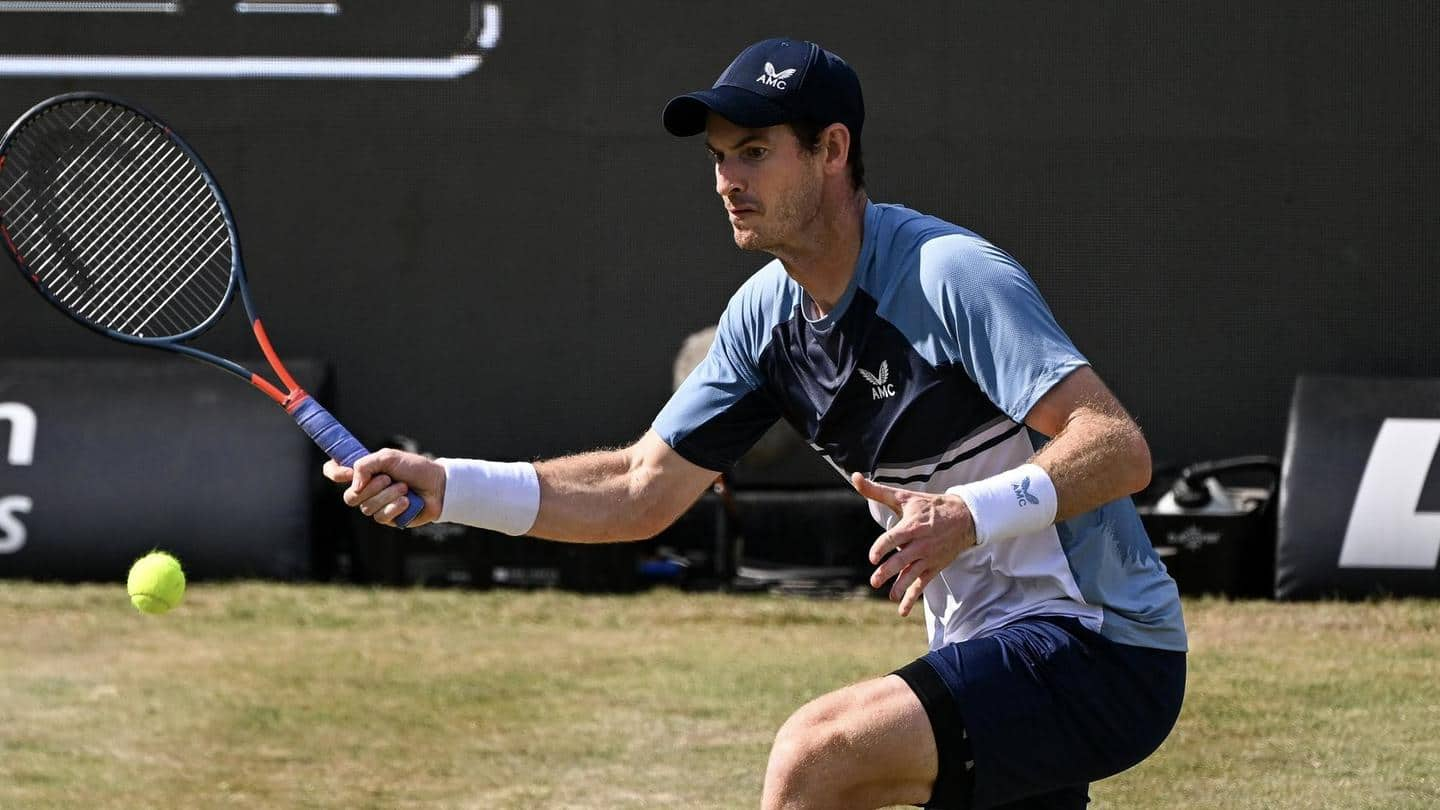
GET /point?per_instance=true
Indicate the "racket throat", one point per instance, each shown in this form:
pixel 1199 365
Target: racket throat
pixel 289 400
pixel 294 400
pixel 292 397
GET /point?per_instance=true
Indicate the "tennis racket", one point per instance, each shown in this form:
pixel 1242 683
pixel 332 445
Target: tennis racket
pixel 116 221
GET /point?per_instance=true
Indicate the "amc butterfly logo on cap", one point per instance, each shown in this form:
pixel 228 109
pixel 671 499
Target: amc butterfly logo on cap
pixel 772 79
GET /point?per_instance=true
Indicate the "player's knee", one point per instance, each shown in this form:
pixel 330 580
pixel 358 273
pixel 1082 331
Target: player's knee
pixel 802 770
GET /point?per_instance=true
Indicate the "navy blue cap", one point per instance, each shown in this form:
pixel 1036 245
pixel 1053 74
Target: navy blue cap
pixel 775 81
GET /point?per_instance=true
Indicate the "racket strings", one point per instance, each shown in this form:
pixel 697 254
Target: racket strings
pixel 115 220
pixel 127 297
pixel 79 209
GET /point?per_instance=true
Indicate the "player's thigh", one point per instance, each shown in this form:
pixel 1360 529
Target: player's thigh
pixel 1026 716
pixel 871 741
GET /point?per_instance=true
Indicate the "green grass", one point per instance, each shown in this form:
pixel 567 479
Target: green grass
pixel 274 696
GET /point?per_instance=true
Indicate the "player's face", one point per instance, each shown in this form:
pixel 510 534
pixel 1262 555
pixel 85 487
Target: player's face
pixel 769 183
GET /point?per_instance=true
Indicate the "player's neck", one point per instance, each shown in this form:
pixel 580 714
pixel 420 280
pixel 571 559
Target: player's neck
pixel 823 259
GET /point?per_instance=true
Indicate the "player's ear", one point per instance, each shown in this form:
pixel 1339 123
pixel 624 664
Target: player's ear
pixel 835 148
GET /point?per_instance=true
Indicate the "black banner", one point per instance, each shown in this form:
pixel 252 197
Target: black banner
pixel 1360 502
pixel 473 210
pixel 105 460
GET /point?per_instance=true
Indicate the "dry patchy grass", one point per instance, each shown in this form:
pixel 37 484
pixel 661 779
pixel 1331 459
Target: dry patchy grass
pixel 256 695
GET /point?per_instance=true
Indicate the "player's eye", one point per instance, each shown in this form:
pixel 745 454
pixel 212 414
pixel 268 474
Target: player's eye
pixel 755 152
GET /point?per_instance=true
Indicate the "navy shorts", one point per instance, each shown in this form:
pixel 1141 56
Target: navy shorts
pixel 1029 715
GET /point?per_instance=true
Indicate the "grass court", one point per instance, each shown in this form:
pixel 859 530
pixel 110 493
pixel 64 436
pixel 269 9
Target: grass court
pixel 279 696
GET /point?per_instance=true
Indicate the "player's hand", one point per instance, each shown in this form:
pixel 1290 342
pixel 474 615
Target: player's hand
pixel 930 533
pixel 382 483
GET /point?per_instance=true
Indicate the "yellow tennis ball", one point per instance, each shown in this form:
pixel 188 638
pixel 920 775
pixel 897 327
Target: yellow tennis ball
pixel 156 583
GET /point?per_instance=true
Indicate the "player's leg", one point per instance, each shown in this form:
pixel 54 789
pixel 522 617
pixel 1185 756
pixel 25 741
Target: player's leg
pixel 1023 719
pixel 865 746
pixel 873 745
pixel 1046 707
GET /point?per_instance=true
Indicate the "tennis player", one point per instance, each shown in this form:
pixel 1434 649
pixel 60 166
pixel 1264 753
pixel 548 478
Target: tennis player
pixel 912 354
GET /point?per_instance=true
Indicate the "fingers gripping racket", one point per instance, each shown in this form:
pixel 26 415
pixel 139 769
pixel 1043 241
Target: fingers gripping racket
pixel 117 222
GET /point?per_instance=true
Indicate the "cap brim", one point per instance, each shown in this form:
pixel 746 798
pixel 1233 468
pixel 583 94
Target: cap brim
pixel 685 115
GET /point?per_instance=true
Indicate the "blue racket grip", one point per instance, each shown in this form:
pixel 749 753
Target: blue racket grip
pixel 341 445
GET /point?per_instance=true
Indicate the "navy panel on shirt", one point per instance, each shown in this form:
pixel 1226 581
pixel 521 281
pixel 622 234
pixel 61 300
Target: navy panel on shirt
pixel 857 389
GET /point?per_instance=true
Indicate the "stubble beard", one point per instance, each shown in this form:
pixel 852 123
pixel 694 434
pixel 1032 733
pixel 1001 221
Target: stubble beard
pixel 783 221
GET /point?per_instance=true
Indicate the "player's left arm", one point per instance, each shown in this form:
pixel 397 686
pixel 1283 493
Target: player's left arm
pixel 1097 453
pixel 991 319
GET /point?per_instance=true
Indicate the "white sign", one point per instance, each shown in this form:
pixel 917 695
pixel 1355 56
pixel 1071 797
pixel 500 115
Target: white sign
pixel 484 35
pixel 19 452
pixel 1385 530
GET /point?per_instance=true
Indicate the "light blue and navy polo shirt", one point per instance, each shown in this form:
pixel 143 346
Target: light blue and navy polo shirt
pixel 921 377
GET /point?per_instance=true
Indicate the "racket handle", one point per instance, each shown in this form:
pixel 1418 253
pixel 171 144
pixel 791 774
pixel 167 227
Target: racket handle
pixel 341 445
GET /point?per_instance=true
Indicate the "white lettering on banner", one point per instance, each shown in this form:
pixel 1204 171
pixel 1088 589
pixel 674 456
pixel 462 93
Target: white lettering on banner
pixel 484 33
pixel 1384 530
pixel 12 531
pixel 21 450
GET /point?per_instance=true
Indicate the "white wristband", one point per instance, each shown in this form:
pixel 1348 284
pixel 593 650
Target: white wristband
pixel 1015 502
pixel 502 497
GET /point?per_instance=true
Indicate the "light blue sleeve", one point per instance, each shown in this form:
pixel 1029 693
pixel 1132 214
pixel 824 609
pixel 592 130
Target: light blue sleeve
pixel 995 323
pixel 722 409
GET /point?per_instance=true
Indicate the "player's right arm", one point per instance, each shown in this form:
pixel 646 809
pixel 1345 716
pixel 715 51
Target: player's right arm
pixel 715 415
pixel 610 495
pixel 629 493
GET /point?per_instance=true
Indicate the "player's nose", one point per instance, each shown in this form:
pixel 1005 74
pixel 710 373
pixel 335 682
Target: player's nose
pixel 727 181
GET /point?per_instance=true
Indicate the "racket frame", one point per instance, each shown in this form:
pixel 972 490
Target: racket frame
pixel 309 415
pixel 292 394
